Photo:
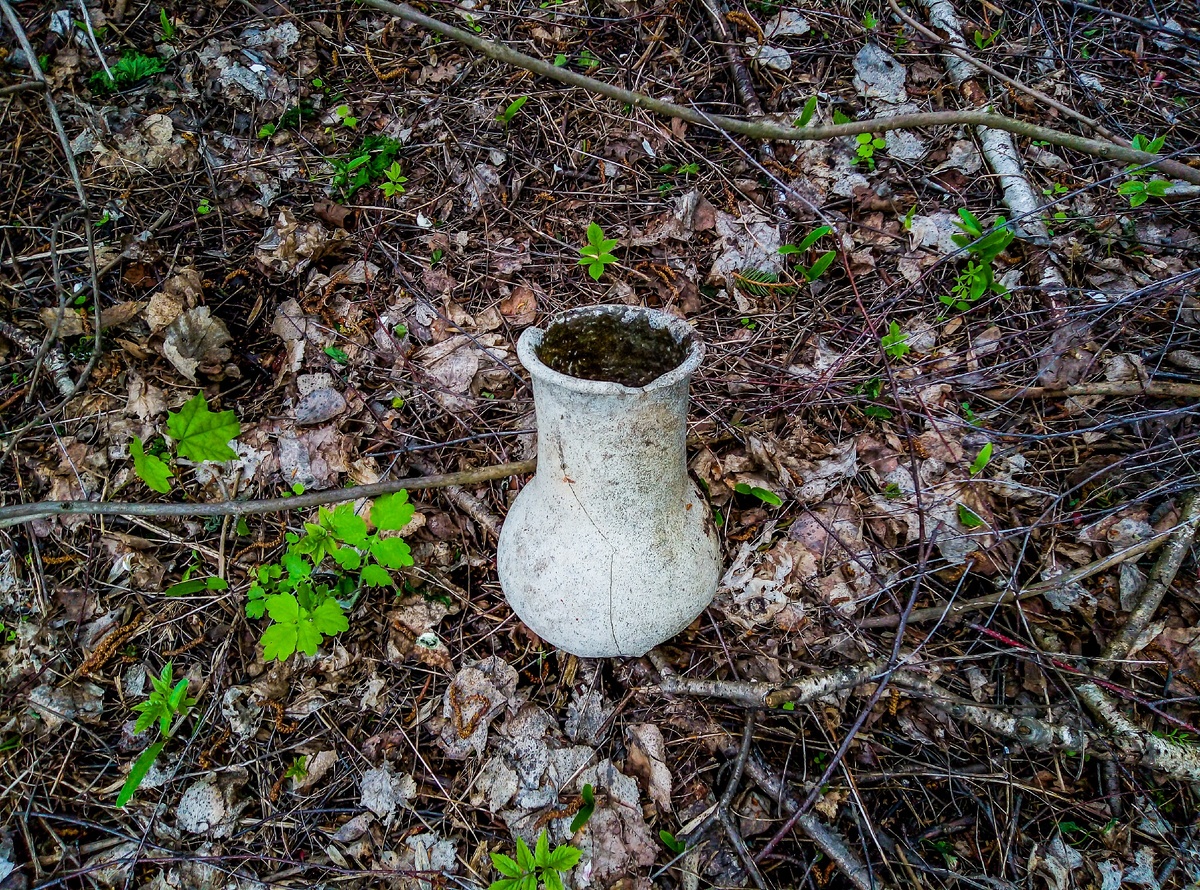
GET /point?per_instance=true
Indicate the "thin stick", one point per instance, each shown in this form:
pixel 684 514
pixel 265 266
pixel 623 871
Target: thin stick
pixel 1169 167
pixel 1005 596
pixel 19 513
pixel 766 129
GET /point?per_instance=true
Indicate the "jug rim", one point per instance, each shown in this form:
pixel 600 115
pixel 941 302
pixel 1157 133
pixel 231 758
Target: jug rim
pixel 531 340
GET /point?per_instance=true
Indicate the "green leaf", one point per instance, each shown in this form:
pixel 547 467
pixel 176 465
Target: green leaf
pixel 329 618
pixel 376 576
pixel 968 517
pixel 393 553
pixel 818 268
pixel 279 642
pixel 141 766
pixel 564 857
pixel 201 435
pixel 582 817
pixel 512 110
pixel 806 115
pixel 981 459
pixel 525 856
pixel 812 238
pixel 763 494
pixel 150 469
pixel 541 853
pixel 552 880
pixel 196 585
pixel 840 117
pixel 347 558
pixel 347 526
pixel 283 607
pixel 308 638
pixel 672 843
pixel 895 341
pixel 506 866
pixel 392 511
pixel 338 355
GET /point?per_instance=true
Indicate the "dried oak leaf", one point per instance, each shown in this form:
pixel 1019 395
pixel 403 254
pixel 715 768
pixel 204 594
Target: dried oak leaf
pixel 196 341
pixel 475 697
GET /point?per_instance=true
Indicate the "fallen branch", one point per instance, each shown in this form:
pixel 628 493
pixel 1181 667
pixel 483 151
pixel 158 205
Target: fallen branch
pixel 1162 576
pixel 16 514
pixel 1164 390
pixel 768 129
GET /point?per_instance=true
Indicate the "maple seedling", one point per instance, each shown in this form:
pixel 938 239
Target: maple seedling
pixel 199 435
pixel 597 253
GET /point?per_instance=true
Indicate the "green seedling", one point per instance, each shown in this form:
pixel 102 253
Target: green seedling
pixel 983 42
pixel 303 595
pixel 436 256
pixel 512 110
pixel 169 28
pixel 968 517
pixel 199 435
pixel 763 494
pixel 129 69
pixel 338 355
pixel 203 208
pixel 978 278
pixel 1136 189
pixel 981 459
pixel 559 60
pixel 587 60
pixel 166 707
pixel 806 114
pixel 820 264
pixel 1139 192
pixel 540 867
pixel 596 255
pixel 298 770
pixel 868 144
pixel 366 164
pixel 895 342
pixel 870 22
pixel 344 117
pixel 585 810
pixel 840 117
pixel 873 389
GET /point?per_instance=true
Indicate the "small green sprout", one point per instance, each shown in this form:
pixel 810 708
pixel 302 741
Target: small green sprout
pixel 597 253
pixel 868 144
pixel 895 342
pixel 512 110
pixel 763 494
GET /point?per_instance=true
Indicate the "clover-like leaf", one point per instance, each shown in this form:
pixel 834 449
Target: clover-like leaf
pixel 201 435
pixel 393 553
pixel 392 511
pixel 279 642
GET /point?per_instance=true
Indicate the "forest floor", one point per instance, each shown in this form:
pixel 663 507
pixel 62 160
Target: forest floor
pixel 957 634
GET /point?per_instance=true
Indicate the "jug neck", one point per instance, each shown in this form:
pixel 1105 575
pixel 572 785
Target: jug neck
pixel 630 441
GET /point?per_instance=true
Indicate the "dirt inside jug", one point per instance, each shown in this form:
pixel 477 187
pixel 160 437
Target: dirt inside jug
pixel 603 346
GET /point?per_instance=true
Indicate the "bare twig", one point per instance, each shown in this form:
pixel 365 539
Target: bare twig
pixel 767 129
pixel 953 610
pixel 19 513
pixel 463 499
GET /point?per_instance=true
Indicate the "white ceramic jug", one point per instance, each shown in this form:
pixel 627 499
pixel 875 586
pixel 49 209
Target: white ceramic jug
pixel 610 549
